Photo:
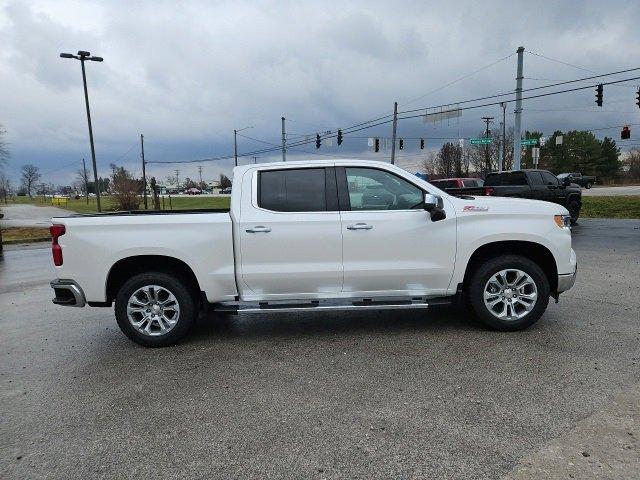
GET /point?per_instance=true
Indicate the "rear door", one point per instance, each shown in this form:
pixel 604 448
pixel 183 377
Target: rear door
pixel 290 233
pixel 390 245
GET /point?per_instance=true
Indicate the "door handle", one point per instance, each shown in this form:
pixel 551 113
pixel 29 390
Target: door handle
pixel 258 229
pixel 360 226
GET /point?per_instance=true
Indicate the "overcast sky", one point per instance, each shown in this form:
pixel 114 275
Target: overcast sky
pixel 187 75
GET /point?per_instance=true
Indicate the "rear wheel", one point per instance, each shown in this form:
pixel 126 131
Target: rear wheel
pixel 155 309
pixel 508 293
pixel 588 185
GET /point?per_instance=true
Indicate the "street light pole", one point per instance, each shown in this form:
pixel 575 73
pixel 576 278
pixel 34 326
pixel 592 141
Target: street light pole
pixel 84 56
pixel 144 172
pixel 235 144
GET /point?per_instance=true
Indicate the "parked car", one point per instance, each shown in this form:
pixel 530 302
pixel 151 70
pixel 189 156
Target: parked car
pixel 586 181
pixel 445 183
pixel 226 191
pixel 535 184
pixel 193 191
pixel 300 237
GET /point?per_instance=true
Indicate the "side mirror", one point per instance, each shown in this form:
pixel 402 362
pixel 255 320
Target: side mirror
pixel 566 181
pixel 430 202
pixel 435 206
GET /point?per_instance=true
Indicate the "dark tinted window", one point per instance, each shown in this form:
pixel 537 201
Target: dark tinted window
pixel 511 178
pixel 295 190
pixel 535 178
pixel 548 178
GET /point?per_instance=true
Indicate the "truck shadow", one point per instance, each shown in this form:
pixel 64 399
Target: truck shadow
pixel 436 319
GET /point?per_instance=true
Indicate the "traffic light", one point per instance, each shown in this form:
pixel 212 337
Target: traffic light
pixel 401 144
pixel 318 142
pixel 339 137
pixel 599 95
pixel 422 144
pixel 376 143
pixel 638 98
pixel 626 133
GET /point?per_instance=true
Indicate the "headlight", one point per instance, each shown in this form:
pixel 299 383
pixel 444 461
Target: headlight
pixel 563 221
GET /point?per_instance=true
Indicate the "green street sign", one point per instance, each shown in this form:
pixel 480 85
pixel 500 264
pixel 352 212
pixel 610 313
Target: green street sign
pixel 529 141
pixel 480 141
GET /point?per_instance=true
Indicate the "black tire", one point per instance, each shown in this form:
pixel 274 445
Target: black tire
pixel 588 185
pixel 179 288
pixel 474 294
pixel 574 210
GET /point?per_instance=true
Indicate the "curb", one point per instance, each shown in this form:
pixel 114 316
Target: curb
pixel 26 240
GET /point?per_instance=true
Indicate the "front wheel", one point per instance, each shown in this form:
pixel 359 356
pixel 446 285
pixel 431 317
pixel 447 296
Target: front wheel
pixel 588 185
pixel 508 293
pixel 155 309
pixel 574 210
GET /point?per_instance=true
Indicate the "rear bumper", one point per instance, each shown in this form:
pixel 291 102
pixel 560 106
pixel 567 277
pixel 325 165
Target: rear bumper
pixel 68 293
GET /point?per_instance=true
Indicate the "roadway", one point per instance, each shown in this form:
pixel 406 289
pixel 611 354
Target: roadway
pixel 328 395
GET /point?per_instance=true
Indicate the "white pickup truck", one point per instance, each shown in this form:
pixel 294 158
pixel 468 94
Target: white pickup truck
pixel 340 234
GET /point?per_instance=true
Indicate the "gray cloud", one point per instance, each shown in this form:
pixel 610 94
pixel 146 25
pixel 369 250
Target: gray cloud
pixel 187 74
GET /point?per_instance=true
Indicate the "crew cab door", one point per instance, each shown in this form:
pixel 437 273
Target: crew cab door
pixel 390 245
pixel 290 233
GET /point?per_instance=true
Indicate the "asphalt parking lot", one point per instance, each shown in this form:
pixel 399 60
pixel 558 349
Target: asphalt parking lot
pixel 329 395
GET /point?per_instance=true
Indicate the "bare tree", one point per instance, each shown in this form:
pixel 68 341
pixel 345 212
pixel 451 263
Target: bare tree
pixel 30 175
pixel 125 189
pixel 631 164
pixel 429 163
pixel 225 182
pixel 449 161
pixel 5 186
pixel 4 147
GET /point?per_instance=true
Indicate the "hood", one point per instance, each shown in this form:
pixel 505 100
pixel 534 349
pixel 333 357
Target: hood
pixel 506 205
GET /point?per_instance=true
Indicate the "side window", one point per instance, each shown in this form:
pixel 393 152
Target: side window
pixel 549 179
pixel 373 189
pixel 292 190
pixel 535 178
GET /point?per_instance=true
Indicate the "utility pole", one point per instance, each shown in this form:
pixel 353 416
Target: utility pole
pixel 255 160
pixel 144 173
pixel 393 136
pixel 517 145
pixel 235 147
pixel 487 159
pixel 178 180
pixel 200 173
pixel 284 143
pixel 503 150
pixel 86 181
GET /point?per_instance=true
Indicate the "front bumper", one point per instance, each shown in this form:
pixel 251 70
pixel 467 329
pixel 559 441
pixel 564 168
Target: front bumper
pixel 566 281
pixel 68 293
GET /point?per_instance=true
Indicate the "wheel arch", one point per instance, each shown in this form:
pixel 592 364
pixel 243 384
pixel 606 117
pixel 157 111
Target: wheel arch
pixel 126 267
pixel 535 252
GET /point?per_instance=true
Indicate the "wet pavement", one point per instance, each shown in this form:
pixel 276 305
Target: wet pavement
pixel 326 395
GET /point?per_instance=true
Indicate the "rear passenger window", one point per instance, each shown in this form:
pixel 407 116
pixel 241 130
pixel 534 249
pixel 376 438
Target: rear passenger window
pixel 535 178
pixel 500 179
pixel 292 190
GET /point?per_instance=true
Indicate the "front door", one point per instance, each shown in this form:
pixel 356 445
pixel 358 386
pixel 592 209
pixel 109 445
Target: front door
pixel 289 230
pixel 390 244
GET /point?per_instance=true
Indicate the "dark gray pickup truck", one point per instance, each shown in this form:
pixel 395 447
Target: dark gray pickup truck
pixel 535 184
pixel 586 181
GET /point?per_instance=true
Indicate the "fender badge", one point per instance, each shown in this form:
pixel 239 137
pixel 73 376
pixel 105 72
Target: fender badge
pixel 475 208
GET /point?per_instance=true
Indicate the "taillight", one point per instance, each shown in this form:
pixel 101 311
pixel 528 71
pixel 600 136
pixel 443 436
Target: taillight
pixel 489 191
pixel 56 250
